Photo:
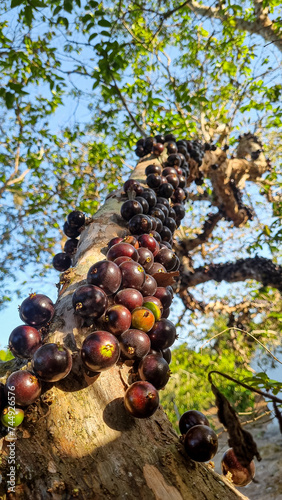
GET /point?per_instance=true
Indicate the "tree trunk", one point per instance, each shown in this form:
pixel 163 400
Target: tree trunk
pixel 78 441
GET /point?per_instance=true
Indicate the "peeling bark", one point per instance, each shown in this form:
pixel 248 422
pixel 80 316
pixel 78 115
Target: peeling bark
pixel 78 441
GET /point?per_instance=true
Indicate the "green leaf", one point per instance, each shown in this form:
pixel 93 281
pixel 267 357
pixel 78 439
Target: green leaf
pixel 104 23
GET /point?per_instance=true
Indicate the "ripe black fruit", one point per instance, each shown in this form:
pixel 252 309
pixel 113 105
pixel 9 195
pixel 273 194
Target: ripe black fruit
pixel 89 301
pixel 52 362
pixel 61 262
pixel 24 341
pixel 201 443
pixel 140 224
pixel 106 275
pixel 130 298
pixel 154 369
pixel 191 418
pixel 141 399
pixel 70 231
pixel 71 246
pixel 130 208
pixel 100 351
pixel 134 344
pixel 36 310
pixel 76 218
pixel 117 319
pixel 163 334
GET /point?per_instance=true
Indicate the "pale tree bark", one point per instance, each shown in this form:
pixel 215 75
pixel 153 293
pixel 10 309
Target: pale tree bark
pixel 78 441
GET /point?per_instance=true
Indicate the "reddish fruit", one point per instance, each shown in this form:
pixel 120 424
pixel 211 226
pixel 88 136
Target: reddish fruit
pixel 133 275
pixel 163 334
pixel 201 443
pixel 241 476
pixel 129 298
pixel 27 387
pixel 122 250
pixel 106 275
pixel 100 351
pixel 149 287
pixel 117 319
pixel 52 362
pixel 141 399
pixel 142 319
pixel 134 344
pixel 24 341
pixel 89 301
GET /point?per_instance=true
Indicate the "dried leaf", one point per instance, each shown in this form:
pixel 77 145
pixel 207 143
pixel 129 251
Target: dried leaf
pixel 165 279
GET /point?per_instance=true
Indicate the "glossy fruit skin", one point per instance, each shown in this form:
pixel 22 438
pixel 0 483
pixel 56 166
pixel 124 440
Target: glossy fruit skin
pixel 131 240
pixel 150 286
pixel 166 234
pixel 140 224
pixel 76 218
pixel 167 258
pixel 133 275
pixel 132 185
pixel 36 310
pixel 70 231
pixel 61 262
pixel 201 443
pixel 12 417
pixel 24 340
pixel 89 301
pixel 106 275
pixel 147 241
pixel 130 208
pixel 164 295
pixel 117 319
pixel 241 476
pixel 114 241
pixel 162 334
pixel 153 169
pixel 170 223
pixel 154 369
pixel 52 362
pixel 191 418
pixel 134 344
pixel 150 197
pixel 144 204
pixel 129 298
pixel 166 190
pixel 71 246
pixel 145 258
pixel 122 250
pixel 27 387
pixel 154 305
pixel 167 355
pixel 141 399
pixel 179 211
pixel 157 268
pixel 119 260
pixel 143 319
pixel 100 351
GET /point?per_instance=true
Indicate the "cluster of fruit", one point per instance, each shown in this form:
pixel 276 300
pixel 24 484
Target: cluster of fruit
pixel 72 228
pixel 201 443
pixel 50 362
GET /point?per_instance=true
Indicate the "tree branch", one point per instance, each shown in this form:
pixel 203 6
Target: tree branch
pixel 257 268
pixel 185 246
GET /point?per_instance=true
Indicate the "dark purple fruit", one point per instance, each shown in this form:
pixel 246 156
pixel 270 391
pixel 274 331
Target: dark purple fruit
pixel 122 250
pixel 170 223
pixel 27 387
pixel 167 258
pixel 70 231
pixel 36 310
pixel 157 212
pixel 170 138
pixel 166 190
pixel 89 301
pixel 141 399
pixel 166 234
pixel 153 169
pixel 133 275
pixel 106 275
pixel 158 148
pixel 117 319
pixel 24 341
pixel 167 354
pixel 76 218
pixel 144 204
pixel 162 207
pixel 131 240
pixel 146 258
pixel 119 260
pixel 132 185
pixel 134 344
pixel 130 208
pixel 52 362
pixel 154 369
pixel 164 295
pixel 156 236
pixel 140 224
pixel 71 246
pixel 240 476
pixel 114 241
pixel 179 211
pixel 171 148
pixel 150 197
pixel 149 287
pixel 178 195
pixel 129 298
pixel 61 262
pixel 160 138
pixel 191 418
pixel 201 443
pixel 163 334
pixel 154 181
pixel 100 351
pixel 157 268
